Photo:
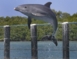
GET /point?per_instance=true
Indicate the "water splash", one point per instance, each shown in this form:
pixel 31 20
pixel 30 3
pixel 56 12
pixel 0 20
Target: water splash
pixel 49 51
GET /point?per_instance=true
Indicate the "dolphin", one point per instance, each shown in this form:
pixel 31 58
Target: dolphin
pixel 40 12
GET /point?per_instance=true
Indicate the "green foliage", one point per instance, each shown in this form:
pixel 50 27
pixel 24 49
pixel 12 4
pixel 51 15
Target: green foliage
pixel 20 32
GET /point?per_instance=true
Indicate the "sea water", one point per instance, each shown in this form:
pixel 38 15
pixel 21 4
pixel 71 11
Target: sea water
pixel 46 50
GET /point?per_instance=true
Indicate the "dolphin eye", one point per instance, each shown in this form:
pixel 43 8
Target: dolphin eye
pixel 25 7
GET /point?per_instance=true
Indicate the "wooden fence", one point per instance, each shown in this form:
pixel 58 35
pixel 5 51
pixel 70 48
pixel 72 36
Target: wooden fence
pixel 34 50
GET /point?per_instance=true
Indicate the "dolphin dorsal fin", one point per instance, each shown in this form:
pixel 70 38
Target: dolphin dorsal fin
pixel 48 4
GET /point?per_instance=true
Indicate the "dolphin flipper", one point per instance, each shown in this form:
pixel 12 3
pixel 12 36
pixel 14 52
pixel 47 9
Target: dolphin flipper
pixel 29 21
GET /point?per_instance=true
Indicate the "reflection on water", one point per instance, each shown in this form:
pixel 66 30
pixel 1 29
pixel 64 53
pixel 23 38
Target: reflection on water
pixel 46 50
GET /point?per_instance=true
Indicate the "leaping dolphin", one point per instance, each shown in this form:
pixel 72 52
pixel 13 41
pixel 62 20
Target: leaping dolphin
pixel 40 12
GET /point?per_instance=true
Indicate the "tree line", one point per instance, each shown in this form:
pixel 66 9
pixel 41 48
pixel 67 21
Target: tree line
pixel 20 32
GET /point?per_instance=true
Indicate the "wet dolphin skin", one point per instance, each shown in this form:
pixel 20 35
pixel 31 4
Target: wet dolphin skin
pixel 40 12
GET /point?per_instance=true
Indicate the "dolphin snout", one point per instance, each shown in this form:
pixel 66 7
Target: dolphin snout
pixel 16 8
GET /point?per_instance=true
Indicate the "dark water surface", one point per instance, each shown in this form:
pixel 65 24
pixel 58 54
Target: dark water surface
pixel 46 50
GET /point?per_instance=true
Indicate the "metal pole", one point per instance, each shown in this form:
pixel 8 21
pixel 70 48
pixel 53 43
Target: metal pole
pixel 34 41
pixel 65 27
pixel 6 42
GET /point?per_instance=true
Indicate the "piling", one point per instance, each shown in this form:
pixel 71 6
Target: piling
pixel 65 27
pixel 34 51
pixel 6 42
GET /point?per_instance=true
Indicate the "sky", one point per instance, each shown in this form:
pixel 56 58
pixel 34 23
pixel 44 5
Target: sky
pixel 7 6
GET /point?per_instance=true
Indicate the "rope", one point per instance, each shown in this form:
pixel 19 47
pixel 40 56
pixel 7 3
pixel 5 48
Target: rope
pixel 40 24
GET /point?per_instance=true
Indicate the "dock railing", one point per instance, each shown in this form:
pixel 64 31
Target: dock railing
pixel 34 52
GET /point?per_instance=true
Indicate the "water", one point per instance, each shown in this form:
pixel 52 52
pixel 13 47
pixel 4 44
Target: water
pixel 46 50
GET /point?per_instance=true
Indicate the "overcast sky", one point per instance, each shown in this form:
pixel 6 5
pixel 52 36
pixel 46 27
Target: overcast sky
pixel 7 6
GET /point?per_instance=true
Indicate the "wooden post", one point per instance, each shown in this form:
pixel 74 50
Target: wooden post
pixel 65 27
pixel 34 41
pixel 6 42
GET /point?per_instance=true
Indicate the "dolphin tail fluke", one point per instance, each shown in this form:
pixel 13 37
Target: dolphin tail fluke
pixel 54 40
pixel 50 37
